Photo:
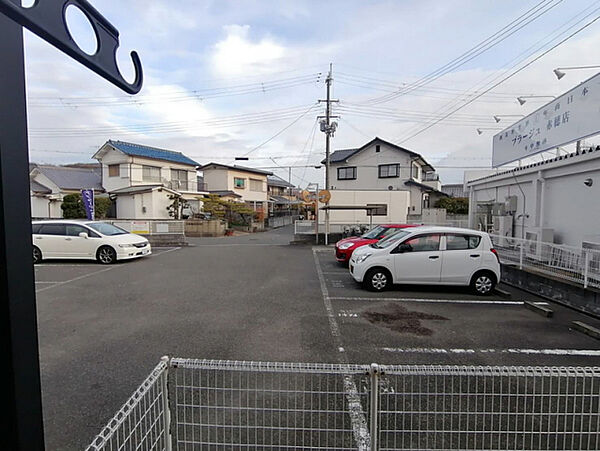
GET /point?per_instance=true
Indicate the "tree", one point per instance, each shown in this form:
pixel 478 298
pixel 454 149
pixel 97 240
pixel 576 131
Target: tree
pixel 454 205
pixel 72 207
pixel 232 212
pixel 177 206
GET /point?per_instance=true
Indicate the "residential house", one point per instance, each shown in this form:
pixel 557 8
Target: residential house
pixel 379 182
pixel 49 184
pixel 143 181
pixel 249 183
pixel 281 196
pixel 455 190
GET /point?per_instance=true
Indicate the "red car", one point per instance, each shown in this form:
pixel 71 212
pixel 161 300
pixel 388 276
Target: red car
pixel 345 247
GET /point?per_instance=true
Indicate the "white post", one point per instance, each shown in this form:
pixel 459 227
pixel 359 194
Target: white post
pixel 586 270
pixel 521 255
pixel 374 407
pixel 166 405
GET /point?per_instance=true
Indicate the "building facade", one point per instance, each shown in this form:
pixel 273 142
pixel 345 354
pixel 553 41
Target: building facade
pixel 250 184
pixel 382 166
pixel 143 181
pixel 555 200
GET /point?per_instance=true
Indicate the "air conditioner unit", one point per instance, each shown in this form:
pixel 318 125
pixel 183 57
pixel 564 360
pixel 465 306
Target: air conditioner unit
pixel 535 237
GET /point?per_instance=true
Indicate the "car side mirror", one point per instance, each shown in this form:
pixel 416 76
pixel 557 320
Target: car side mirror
pixel 402 248
pixel 83 235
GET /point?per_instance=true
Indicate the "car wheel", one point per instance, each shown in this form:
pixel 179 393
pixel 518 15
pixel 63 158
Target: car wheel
pixel 377 279
pixel 106 255
pixel 37 255
pixel 483 283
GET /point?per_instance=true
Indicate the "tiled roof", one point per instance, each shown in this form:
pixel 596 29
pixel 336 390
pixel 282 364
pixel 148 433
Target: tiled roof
pixel 137 150
pixel 275 180
pixel 38 187
pixel 341 155
pixel 73 178
pixel 236 168
pixel 424 187
pixel 223 193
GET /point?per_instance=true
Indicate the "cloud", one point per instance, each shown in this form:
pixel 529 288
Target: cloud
pixel 238 55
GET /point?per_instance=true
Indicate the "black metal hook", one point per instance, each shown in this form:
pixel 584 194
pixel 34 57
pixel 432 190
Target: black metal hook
pixel 46 18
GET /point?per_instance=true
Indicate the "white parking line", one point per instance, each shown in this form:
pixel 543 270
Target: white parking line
pixel 75 279
pixel 356 411
pixel 167 251
pixel 578 352
pixel 440 301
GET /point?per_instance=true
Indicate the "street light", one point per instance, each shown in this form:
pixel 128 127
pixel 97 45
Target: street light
pixel 559 71
pixel 522 101
pixel 498 117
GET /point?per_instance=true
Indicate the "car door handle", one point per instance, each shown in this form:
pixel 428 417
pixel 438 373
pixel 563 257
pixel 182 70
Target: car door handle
pixel 68 239
pixel 474 255
pixel 433 257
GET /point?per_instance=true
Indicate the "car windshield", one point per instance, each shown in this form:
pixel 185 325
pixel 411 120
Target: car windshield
pixel 107 229
pixel 390 240
pixel 374 233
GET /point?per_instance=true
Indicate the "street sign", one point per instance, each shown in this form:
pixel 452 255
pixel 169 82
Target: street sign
pixel 570 117
pixel 324 196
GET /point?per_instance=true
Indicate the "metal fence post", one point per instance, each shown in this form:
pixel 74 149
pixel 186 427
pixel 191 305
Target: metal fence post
pixel 374 407
pixel 521 255
pixel 166 404
pixel 586 269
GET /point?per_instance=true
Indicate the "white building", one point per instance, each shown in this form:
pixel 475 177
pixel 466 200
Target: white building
pixel 143 180
pixel 48 185
pixel 555 200
pixel 379 167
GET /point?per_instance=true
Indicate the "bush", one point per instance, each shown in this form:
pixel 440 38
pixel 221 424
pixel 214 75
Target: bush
pixel 72 207
pixel 454 205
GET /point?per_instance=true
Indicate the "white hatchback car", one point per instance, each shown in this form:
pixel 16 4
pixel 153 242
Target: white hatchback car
pixel 94 240
pixel 429 255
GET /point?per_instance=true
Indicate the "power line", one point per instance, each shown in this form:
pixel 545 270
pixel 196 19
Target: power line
pixel 494 85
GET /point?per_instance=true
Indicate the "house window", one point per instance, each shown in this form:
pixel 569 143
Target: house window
pixel 114 170
pixel 388 170
pixel 415 171
pixel 179 179
pixel 425 200
pixel 377 148
pixel 239 183
pixel 256 185
pixel 348 173
pixel 381 209
pixel 150 173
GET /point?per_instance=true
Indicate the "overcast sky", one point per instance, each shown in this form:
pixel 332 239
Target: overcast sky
pixel 223 77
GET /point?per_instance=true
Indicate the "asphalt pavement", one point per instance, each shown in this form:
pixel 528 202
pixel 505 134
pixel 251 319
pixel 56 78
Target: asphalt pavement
pixel 254 297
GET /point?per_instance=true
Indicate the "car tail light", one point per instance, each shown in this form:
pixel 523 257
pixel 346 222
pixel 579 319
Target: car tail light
pixel 495 252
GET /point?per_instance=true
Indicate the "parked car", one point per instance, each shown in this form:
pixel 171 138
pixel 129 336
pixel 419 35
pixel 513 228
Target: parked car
pixel 429 255
pixel 345 247
pixel 93 240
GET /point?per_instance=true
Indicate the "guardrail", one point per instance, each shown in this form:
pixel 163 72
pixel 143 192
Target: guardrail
pixel 219 404
pixel 563 262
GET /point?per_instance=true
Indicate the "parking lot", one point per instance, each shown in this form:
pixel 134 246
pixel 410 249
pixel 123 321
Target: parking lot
pixel 254 297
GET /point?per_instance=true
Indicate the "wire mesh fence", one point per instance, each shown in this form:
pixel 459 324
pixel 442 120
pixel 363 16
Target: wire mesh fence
pixel 240 405
pixel 214 404
pixel 497 408
pixel 143 422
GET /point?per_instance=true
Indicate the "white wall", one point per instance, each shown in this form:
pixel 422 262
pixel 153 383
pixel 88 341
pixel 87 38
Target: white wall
pixel 552 195
pixel 223 179
pixel 397 202
pixel 39 207
pixel 367 172
pixel 132 206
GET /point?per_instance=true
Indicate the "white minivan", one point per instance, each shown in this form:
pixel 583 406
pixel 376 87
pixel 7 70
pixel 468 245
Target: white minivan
pixel 429 255
pixel 94 240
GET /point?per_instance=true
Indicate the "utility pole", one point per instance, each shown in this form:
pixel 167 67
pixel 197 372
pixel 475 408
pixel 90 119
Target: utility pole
pixel 329 129
pixel 327 126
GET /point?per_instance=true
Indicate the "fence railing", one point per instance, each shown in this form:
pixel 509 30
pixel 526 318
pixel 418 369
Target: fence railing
pixel 573 264
pixel 216 404
pixel 304 227
pixel 150 226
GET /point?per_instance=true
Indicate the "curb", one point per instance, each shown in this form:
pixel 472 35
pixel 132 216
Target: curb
pixel 586 329
pixel 540 309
